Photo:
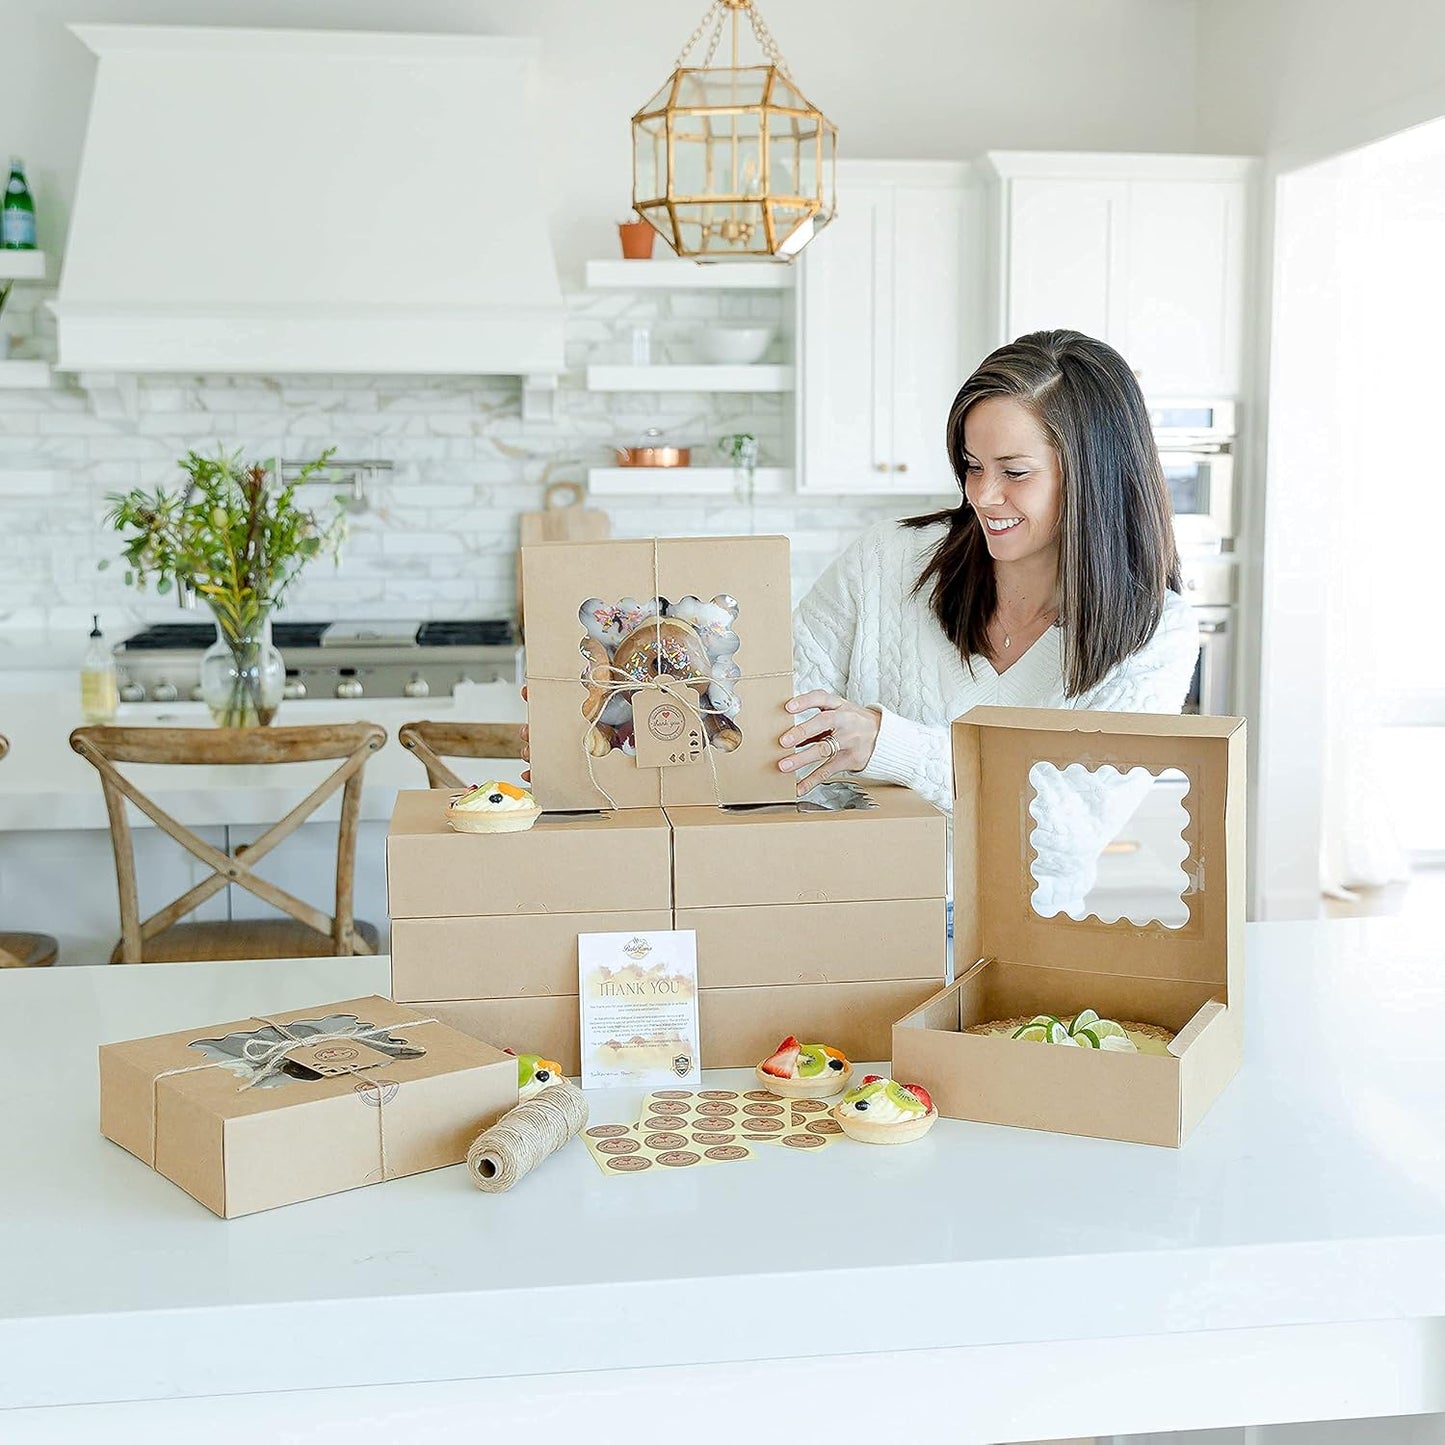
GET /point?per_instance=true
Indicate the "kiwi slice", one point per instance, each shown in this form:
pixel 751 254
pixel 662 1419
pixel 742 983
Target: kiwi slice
pixel 812 1061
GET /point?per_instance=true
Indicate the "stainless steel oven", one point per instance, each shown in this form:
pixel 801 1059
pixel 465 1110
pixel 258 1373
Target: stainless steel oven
pixel 1209 587
pixel 1211 691
pixel 1196 442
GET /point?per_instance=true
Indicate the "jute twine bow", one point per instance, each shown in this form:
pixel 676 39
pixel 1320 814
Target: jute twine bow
pixel 678 689
pixel 271 1056
pixel 522 1138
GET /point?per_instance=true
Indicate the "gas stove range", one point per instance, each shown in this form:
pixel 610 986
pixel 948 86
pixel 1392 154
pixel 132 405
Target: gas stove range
pixel 162 663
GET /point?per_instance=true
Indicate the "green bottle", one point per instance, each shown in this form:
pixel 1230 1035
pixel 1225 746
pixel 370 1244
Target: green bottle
pixel 17 213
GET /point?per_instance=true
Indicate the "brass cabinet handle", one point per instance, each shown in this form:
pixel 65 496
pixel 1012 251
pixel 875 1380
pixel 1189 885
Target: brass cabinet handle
pixel 901 467
pixel 881 467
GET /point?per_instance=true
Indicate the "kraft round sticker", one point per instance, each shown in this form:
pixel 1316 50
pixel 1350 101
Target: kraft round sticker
pixel 672 1094
pixel 717 1107
pixel 726 1152
pixel 761 1095
pixel 618 1146
pixel 629 1164
pixel 762 1109
pixel 823 1126
pixel 803 1141
pixel 607 1131
pixel 809 1106
pixel 668 1106
pixel 679 1158
pixel 665 1141
pixel 717 1094
pixel 766 1126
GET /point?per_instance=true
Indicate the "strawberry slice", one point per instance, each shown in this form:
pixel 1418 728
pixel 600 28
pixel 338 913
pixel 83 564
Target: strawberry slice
pixel 921 1094
pixel 783 1063
pixel 873 1079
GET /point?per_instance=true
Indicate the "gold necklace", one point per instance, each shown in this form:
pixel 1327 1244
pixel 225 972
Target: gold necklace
pixel 1008 637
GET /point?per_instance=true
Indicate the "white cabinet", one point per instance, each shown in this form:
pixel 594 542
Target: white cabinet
pixel 1147 253
pixel 882 299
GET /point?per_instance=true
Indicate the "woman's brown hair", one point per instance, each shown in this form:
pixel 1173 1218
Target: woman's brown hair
pixel 1116 537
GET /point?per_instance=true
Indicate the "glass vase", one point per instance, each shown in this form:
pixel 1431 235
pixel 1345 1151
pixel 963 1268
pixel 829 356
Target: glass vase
pixel 242 676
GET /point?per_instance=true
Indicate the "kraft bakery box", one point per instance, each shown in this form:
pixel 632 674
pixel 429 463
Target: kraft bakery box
pixel 550 1026
pixel 658 671
pixel 258 1112
pixel 741 1026
pixel 1187 979
pixel 496 915
pixel 790 893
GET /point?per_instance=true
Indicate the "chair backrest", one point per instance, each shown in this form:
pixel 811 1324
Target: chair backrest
pixel 433 741
pixel 353 743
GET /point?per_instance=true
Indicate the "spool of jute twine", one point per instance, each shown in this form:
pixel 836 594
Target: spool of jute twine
pixel 521 1139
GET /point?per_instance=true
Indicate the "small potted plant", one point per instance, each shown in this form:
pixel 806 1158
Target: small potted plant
pixel 637 237
pixel 238 538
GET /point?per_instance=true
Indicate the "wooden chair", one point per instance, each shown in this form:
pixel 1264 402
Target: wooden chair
pixel 26 950
pixel 307 932
pixel 433 741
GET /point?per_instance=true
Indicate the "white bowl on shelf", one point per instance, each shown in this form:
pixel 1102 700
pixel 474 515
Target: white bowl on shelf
pixel 734 345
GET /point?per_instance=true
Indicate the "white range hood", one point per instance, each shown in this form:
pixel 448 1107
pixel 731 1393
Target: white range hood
pixel 282 201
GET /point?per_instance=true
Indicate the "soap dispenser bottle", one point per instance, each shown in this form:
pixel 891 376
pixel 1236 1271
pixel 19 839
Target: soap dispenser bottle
pixel 97 679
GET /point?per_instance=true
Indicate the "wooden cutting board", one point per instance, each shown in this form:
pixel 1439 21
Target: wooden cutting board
pixel 565 519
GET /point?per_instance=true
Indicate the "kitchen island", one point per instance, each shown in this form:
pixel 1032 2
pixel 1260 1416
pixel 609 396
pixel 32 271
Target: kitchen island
pixel 984 1284
pixel 56 868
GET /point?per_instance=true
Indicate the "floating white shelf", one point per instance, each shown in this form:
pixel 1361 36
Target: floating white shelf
pixel 24 374
pixel 686 481
pixel 675 275
pixel 22 265
pixel 689 378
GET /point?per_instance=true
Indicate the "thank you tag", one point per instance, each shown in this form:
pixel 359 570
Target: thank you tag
pixel 338 1056
pixel 639 1007
pixel 667 727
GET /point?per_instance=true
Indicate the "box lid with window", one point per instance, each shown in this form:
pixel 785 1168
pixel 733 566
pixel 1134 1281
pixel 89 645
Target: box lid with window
pixel 1098 865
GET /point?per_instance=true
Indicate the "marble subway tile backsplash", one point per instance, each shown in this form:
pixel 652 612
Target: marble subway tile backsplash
pixel 437 535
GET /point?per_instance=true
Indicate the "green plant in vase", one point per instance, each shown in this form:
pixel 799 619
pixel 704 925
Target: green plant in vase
pixel 238 538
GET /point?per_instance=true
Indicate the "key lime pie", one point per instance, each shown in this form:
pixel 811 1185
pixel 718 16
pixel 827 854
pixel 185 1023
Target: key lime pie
pixel 879 1111
pixel 805 1071
pixel 1086 1031
pixel 493 808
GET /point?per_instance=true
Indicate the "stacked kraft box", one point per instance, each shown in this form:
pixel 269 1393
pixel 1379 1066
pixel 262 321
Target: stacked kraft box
pixel 828 925
pixel 484 926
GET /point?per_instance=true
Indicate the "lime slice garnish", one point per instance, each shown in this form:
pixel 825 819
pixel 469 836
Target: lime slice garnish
pixel 1085 1020
pixel 1085 1038
pixel 1033 1033
pixel 1107 1029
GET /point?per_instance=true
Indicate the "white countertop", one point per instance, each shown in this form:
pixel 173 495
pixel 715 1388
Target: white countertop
pixel 45 785
pixel 1312 1194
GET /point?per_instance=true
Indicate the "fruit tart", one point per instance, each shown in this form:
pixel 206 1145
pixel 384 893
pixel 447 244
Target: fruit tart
pixel 879 1111
pixel 534 1073
pixel 1086 1030
pixel 805 1071
pixel 493 808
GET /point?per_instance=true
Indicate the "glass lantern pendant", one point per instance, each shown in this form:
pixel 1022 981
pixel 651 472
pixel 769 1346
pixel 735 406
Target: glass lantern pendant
pixel 732 163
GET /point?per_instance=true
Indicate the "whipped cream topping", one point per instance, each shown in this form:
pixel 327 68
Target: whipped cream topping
pixel 882 1110
pixel 495 798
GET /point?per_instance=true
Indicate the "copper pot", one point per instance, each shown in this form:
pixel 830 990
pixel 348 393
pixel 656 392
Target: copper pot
pixel 653 452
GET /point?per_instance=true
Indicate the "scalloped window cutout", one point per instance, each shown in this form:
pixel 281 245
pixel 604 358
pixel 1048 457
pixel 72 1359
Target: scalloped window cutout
pixel 1109 845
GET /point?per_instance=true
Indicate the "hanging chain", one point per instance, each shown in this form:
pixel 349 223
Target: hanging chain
pixel 769 45
pixel 715 9
pixel 716 16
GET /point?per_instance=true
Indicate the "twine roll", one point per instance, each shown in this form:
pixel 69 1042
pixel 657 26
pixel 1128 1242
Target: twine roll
pixel 521 1139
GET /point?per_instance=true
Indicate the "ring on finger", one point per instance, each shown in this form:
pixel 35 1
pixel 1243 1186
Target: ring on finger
pixel 829 748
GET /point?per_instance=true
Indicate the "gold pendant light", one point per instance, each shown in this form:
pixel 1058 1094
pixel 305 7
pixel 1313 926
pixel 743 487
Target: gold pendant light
pixel 732 163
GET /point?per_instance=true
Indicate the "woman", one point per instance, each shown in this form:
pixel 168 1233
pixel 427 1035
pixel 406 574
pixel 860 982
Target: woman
pixel 1055 583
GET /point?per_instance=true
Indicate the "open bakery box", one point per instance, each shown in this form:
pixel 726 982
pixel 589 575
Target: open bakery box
pixel 1180 967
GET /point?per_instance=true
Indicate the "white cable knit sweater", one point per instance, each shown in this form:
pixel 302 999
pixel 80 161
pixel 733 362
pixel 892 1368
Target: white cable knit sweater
pixel 863 632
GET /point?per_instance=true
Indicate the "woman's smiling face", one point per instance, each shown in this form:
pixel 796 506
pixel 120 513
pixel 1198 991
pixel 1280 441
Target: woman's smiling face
pixel 1014 482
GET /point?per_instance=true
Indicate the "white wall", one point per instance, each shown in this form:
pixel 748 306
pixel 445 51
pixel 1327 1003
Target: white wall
pixel 913 78
pixel 1302 80
pixel 928 79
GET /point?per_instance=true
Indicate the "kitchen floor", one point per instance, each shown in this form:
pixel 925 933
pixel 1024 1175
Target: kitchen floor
pixel 1422 896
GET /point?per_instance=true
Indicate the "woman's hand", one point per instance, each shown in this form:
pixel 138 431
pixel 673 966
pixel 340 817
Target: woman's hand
pixel 840 738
